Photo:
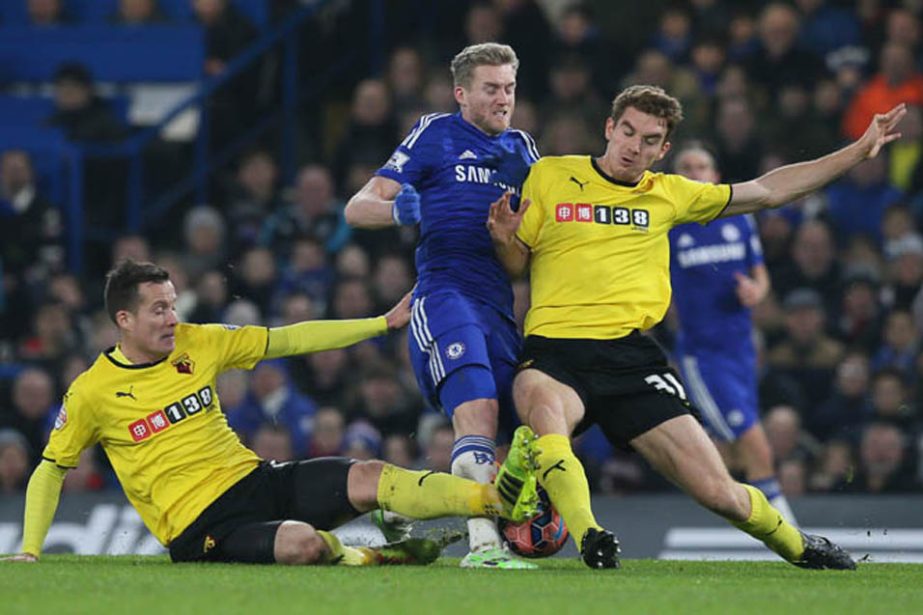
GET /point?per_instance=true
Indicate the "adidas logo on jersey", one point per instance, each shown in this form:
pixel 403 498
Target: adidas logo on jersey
pixel 468 155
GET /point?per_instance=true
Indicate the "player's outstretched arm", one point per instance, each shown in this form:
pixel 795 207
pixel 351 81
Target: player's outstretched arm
pixel 503 222
pixel 789 183
pixel 42 497
pixel 317 335
pixel 383 202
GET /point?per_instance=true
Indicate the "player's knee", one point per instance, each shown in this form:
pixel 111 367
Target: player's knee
pixel 299 544
pixel 362 483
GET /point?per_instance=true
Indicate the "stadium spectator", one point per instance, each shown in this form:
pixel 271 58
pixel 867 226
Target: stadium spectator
pixel 786 437
pixel 736 139
pixel 204 241
pixel 315 210
pixel 52 337
pixel 848 407
pixel 835 465
pixel 252 197
pixel 526 29
pixel 79 112
pixel 361 441
pixel 577 34
pixel 813 264
pixel 897 80
pixel 138 13
pixel 297 307
pixel 860 315
pixel 46 13
pixel 904 271
pixel 437 449
pixel 744 42
pixel 327 433
pixel 383 402
pixel 33 398
pixel 87 476
pixel 211 298
pixel 856 203
pixel 891 401
pixel 31 228
pixel 673 37
pixel 273 441
pixel 780 59
pixel 795 131
pixel 882 463
pixel 826 28
pixel 399 449
pixel 370 131
pixel 256 279
pixel 406 73
pixel 900 344
pixel 14 462
pixel 808 355
pixel 351 298
pixel 325 376
pixel 274 400
pixel 392 278
pixel 307 272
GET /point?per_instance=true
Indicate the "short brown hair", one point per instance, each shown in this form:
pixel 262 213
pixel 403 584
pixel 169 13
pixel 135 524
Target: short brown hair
pixel 122 283
pixel 483 54
pixel 648 99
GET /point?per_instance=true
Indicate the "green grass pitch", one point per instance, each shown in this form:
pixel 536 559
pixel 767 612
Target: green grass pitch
pixel 64 584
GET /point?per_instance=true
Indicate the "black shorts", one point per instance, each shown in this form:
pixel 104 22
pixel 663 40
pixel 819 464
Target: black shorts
pixel 626 384
pixel 241 525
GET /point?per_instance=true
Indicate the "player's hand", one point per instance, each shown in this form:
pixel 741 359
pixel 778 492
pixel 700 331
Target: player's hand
pixel 406 208
pixel 510 160
pixel 749 292
pixel 502 221
pixel 881 131
pixel 398 316
pixel 20 557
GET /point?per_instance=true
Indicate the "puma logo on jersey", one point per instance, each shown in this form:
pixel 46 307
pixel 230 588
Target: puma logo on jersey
pixel 129 393
pixel 578 182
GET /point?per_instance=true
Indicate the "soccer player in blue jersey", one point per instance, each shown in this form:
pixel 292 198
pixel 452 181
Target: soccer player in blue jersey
pixel 464 342
pixel 717 274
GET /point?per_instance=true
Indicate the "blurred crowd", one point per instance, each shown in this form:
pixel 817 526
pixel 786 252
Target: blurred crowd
pixel 766 83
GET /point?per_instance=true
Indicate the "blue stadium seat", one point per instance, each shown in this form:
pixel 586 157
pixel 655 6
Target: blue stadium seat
pixel 168 53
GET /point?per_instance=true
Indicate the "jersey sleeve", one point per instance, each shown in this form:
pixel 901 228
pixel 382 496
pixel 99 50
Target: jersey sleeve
pixel 698 201
pixel 236 347
pixel 534 217
pixel 74 429
pixel 754 246
pixel 410 161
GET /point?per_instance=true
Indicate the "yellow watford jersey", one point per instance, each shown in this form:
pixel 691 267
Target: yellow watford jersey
pixel 161 424
pixel 600 252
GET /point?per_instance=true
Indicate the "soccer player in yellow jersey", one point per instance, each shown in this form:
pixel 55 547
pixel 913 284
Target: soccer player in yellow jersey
pixel 593 232
pixel 150 402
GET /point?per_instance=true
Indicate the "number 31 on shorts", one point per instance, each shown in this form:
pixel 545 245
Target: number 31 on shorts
pixel 668 383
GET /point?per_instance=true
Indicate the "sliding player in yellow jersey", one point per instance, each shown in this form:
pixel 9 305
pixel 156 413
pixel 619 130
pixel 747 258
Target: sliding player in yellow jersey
pixel 595 231
pixel 150 402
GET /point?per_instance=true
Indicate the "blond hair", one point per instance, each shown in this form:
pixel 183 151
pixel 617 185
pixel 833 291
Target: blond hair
pixel 483 54
pixel 651 100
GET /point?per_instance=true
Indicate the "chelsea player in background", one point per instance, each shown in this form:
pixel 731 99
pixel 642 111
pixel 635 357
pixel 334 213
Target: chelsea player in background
pixel 717 275
pixel 463 340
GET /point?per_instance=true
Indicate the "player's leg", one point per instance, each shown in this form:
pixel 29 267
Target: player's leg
pixel 680 449
pixel 723 388
pixel 756 456
pixel 553 409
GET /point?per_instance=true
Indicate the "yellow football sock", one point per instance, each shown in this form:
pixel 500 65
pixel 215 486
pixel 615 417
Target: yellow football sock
pixel 341 555
pixel 428 495
pixel 562 476
pixel 769 526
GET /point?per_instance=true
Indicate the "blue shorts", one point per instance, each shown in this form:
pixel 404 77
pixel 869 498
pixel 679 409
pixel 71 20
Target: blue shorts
pixel 723 389
pixel 449 331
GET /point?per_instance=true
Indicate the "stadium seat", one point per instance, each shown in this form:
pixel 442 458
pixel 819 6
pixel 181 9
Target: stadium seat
pixel 34 110
pixel 120 54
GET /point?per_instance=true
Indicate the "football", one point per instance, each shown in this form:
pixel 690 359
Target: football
pixel 541 536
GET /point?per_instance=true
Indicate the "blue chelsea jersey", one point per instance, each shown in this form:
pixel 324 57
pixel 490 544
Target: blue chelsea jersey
pixel 703 261
pixel 443 158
